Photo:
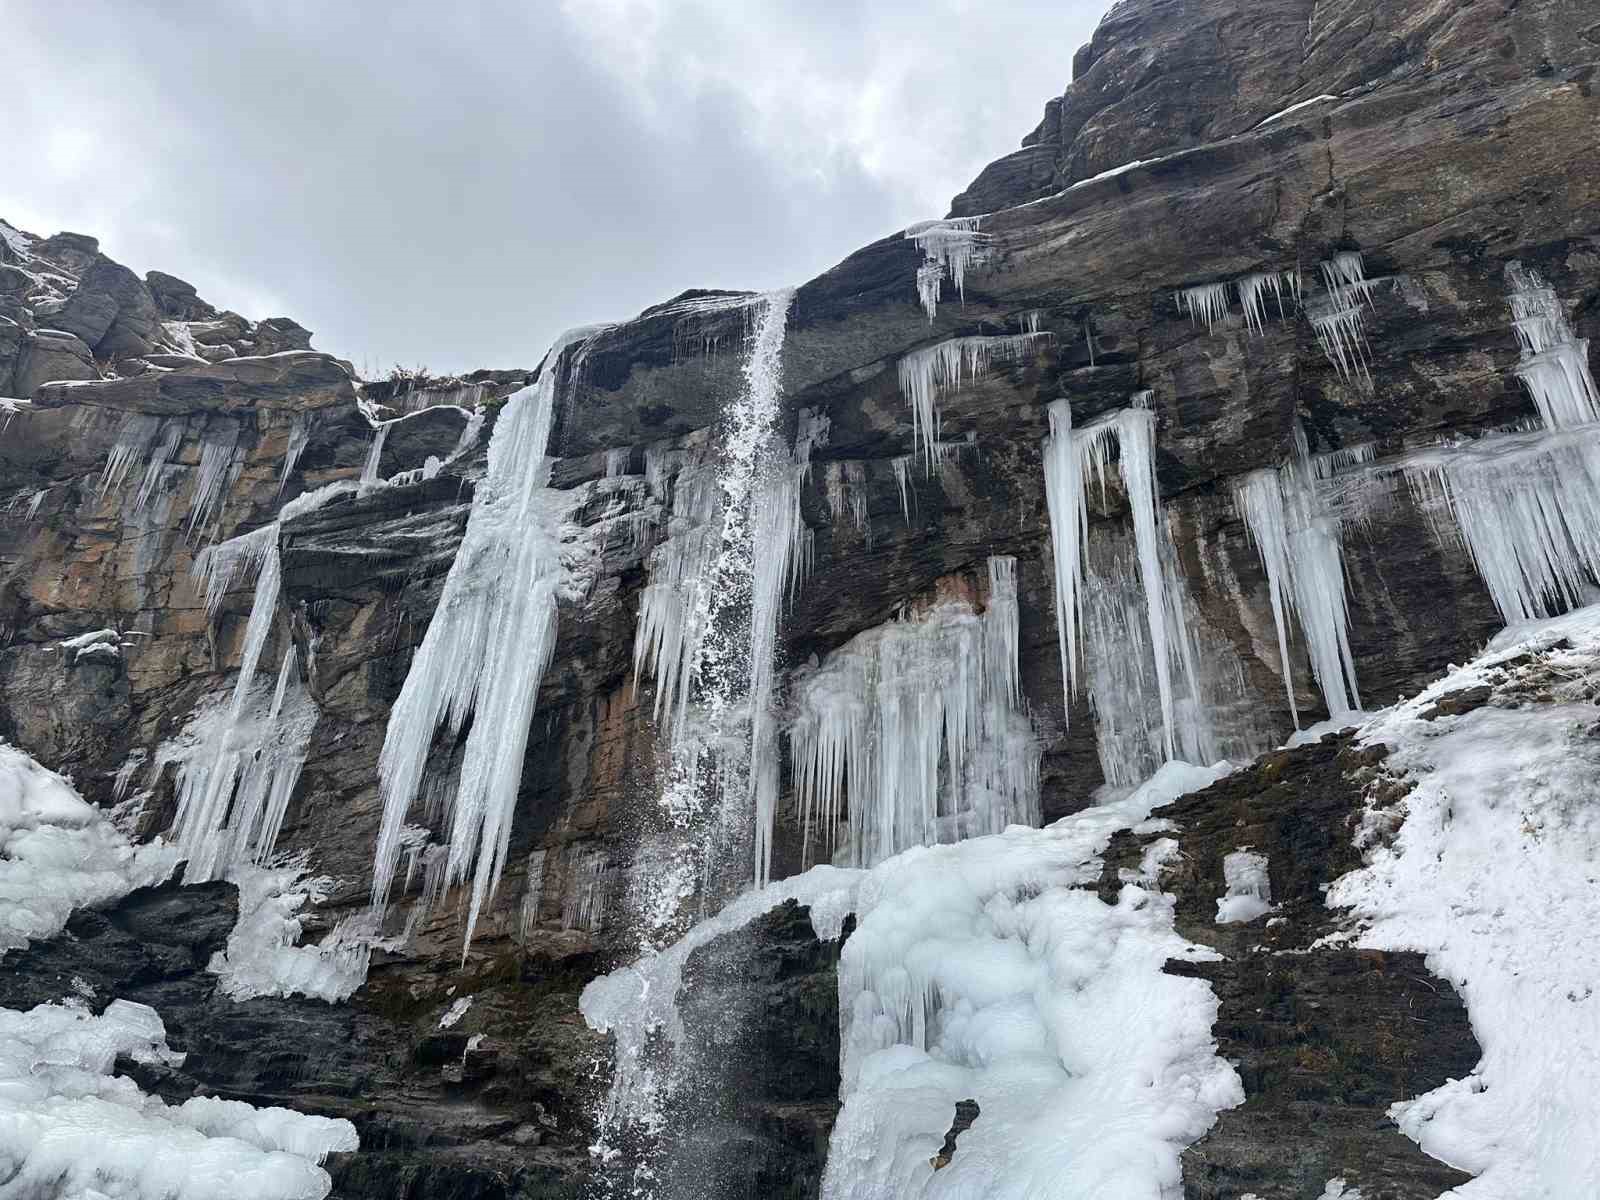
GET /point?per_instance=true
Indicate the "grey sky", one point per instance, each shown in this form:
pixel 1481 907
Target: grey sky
pixel 452 184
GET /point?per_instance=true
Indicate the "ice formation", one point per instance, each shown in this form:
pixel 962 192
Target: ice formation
pixel 70 1127
pixel 708 619
pixel 1074 460
pixel 370 467
pixel 485 652
pixel 1207 303
pixel 299 438
pixel 1299 539
pixel 239 758
pixel 262 957
pixel 1555 363
pixel 1214 713
pixel 1527 506
pixel 1339 320
pixel 221 460
pixel 1249 893
pixel 1491 875
pixel 950 248
pixel 1255 288
pixel 929 373
pixel 58 853
pixel 991 970
pixel 902 471
pixel 919 724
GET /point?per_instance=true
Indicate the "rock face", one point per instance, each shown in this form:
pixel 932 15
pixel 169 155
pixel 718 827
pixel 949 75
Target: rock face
pixel 1442 141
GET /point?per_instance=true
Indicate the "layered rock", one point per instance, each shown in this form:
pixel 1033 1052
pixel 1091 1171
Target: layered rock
pixel 1442 142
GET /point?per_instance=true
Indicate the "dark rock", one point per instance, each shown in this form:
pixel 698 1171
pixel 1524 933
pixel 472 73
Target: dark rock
pixel 177 298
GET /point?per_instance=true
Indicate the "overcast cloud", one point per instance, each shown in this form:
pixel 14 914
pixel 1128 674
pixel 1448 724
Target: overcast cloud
pixel 452 184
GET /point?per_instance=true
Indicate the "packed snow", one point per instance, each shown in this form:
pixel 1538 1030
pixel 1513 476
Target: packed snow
pixel 987 970
pixel 1492 874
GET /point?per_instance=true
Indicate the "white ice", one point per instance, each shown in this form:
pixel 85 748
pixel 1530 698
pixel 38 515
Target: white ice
pixel 58 853
pixel 991 970
pixel 71 1128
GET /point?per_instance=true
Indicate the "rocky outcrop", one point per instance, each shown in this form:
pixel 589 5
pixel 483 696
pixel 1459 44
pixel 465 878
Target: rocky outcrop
pixel 1441 141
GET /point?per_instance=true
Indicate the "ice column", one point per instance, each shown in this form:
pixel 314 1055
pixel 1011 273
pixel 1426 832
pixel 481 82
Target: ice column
pixel 484 654
pixel 1555 363
pixel 1073 460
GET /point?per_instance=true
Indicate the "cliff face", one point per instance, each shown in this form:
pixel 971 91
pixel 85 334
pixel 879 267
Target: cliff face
pixel 1441 141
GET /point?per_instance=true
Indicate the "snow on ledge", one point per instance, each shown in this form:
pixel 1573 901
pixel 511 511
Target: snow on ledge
pixel 1492 874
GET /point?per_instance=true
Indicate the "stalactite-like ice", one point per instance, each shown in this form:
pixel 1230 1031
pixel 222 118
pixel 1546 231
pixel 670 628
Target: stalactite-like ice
pixel 617 462
pixel 1528 508
pixel 919 723
pixel 1300 541
pixel 929 373
pixel 1255 288
pixel 132 441
pixel 1339 321
pixel 949 249
pixel 1074 460
pixel 220 463
pixel 902 469
pixel 1207 303
pixel 1555 363
pixel 299 437
pixel 485 652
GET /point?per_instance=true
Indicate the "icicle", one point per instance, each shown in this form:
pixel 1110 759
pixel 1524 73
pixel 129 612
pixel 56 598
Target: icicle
pixel 132 440
pixel 902 468
pixel 156 466
pixel 1255 288
pixel 1340 325
pixel 583 905
pixel 484 654
pixel 617 462
pixel 238 765
pixel 1075 460
pixel 1299 539
pixel 220 464
pixel 919 724
pixel 299 437
pixel 949 248
pixel 1208 303
pixel 934 371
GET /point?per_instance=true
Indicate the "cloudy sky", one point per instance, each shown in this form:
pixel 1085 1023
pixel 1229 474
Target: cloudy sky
pixel 452 184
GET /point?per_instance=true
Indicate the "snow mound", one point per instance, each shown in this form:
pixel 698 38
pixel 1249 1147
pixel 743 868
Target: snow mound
pixel 990 971
pixel 69 1127
pixel 1493 874
pixel 57 853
